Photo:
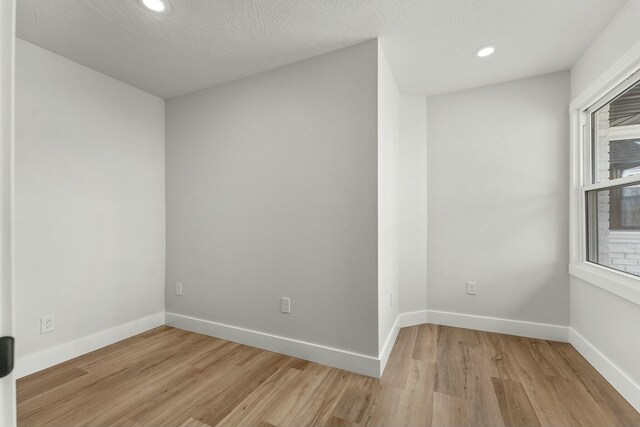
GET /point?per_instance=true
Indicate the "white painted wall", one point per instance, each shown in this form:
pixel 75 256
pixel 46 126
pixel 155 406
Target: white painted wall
pixel 272 192
pixel 388 202
pixel 498 200
pixel 412 194
pixel 89 200
pixel 622 33
pixel 606 321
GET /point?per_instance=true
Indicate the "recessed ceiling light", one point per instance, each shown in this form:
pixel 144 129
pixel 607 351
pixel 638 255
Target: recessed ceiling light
pixel 155 5
pixel 483 52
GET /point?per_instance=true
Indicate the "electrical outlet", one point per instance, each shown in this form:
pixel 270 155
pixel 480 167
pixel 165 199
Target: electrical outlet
pixel 47 324
pixel 472 288
pixel 178 288
pixel 391 299
pixel 286 305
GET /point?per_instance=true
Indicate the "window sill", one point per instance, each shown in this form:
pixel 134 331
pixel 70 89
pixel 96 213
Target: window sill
pixel 621 284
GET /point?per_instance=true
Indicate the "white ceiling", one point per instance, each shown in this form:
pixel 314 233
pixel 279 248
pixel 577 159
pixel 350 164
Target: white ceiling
pixel 429 43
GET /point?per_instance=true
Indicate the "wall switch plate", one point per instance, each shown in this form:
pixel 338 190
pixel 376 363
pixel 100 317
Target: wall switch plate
pixel 286 305
pixel 472 288
pixel 178 288
pixel 47 324
pixel 391 299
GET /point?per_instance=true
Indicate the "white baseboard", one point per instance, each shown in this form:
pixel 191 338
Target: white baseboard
pixel 330 356
pixel 343 359
pixel 355 362
pixel 628 388
pixel 412 318
pixel 40 360
pixel 503 326
pixel 388 345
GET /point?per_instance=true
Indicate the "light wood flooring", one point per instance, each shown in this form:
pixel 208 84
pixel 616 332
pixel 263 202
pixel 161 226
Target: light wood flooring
pixel 436 376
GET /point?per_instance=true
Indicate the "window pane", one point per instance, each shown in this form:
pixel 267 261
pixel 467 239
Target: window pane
pixel 616 137
pixel 614 228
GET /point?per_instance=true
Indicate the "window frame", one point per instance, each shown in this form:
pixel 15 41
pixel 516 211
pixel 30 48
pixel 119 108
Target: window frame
pixel 622 75
pixel 621 133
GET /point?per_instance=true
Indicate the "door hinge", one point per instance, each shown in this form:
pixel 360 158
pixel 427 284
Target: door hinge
pixel 6 355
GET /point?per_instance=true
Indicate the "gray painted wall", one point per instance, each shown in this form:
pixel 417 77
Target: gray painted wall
pixel 272 192
pixel 498 200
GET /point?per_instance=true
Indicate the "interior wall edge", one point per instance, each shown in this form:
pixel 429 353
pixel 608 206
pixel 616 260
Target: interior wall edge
pixel 622 382
pixel 34 362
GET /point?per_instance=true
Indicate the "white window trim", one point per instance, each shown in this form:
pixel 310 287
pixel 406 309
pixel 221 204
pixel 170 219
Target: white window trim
pixel 598 93
pixel 617 282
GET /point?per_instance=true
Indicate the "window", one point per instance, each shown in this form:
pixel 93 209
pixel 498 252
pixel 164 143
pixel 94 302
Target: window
pixel 624 206
pixel 613 195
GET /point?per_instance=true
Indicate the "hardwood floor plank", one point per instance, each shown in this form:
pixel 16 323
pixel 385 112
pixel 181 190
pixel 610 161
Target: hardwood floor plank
pixel 482 404
pixel 600 390
pixel 391 407
pixel 580 404
pixel 449 411
pixel 397 367
pixel 356 401
pixel 514 404
pixel 319 409
pixel 260 403
pixel 538 386
pixel 551 363
pixel 426 343
pixel 182 389
pixel 339 422
pixel 34 385
pixel 210 395
pixel 421 383
pixel 496 353
pixel 126 400
pixel 298 397
pixel 124 422
pixel 436 376
pixel 192 422
pixel 449 375
pixel 123 351
pixel 212 410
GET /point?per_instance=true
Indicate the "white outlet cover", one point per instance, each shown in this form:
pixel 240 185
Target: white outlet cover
pixel 47 324
pixel 286 305
pixel 178 288
pixel 472 288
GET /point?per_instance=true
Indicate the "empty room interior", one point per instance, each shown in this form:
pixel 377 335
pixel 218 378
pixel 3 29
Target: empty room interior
pixel 319 213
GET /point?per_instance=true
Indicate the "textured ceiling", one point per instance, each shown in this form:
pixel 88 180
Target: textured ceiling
pixel 429 43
